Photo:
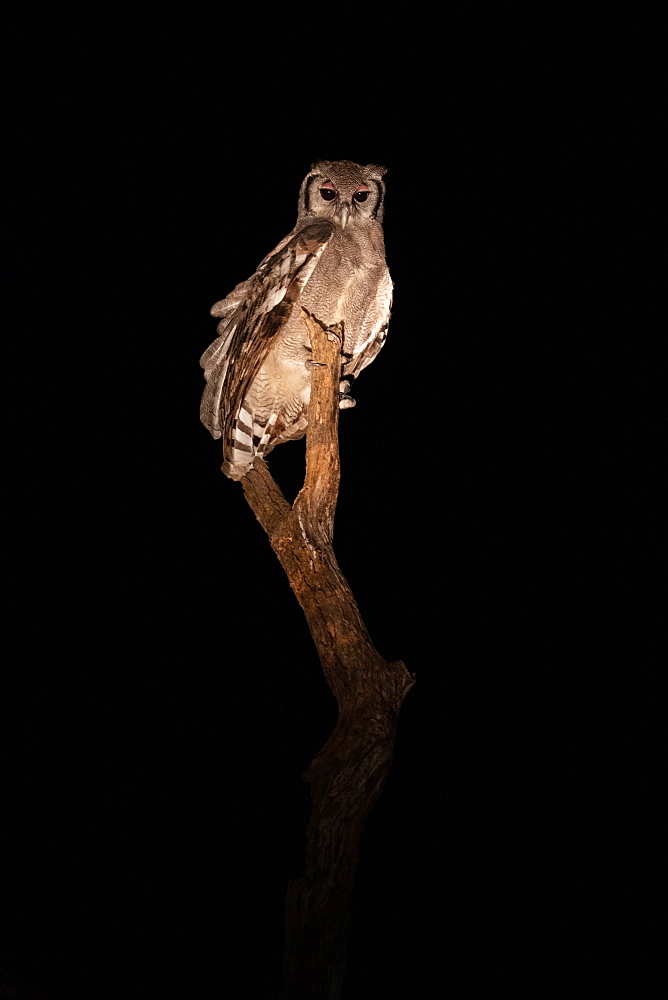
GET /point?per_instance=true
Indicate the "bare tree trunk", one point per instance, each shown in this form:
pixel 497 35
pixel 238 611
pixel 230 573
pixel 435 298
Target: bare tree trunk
pixel 347 775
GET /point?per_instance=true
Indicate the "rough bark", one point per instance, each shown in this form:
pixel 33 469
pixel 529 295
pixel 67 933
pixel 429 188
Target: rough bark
pixel 347 775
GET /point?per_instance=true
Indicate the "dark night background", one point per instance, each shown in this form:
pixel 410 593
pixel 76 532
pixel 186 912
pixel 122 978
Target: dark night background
pixel 497 519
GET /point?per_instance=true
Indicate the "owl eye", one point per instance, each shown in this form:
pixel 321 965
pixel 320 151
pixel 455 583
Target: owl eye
pixel 327 194
pixel 361 195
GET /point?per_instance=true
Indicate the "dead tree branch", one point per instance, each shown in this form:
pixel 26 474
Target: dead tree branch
pixel 347 775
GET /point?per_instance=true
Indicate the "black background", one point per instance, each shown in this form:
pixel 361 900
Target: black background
pixel 497 518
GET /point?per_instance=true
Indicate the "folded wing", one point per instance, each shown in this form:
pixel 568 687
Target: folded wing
pixel 251 318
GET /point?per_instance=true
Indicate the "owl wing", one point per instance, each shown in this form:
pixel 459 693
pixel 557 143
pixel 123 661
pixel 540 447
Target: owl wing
pixel 374 328
pixel 252 317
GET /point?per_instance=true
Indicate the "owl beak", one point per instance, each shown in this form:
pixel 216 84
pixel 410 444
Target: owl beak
pixel 343 214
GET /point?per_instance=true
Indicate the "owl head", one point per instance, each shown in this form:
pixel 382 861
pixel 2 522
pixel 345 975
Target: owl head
pixel 346 193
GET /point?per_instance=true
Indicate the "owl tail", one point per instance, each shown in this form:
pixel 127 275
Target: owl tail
pixel 248 439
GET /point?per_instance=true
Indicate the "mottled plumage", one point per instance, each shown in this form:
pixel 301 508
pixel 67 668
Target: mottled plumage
pixel 332 265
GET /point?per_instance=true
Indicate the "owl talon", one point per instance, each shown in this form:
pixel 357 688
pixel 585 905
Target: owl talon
pixel 315 364
pixel 346 402
pixel 335 332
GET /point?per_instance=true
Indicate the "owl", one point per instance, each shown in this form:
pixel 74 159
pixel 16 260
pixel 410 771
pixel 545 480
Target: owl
pixel 331 266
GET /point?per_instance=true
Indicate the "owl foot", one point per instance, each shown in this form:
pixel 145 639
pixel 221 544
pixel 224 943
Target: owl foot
pixel 346 402
pixel 315 364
